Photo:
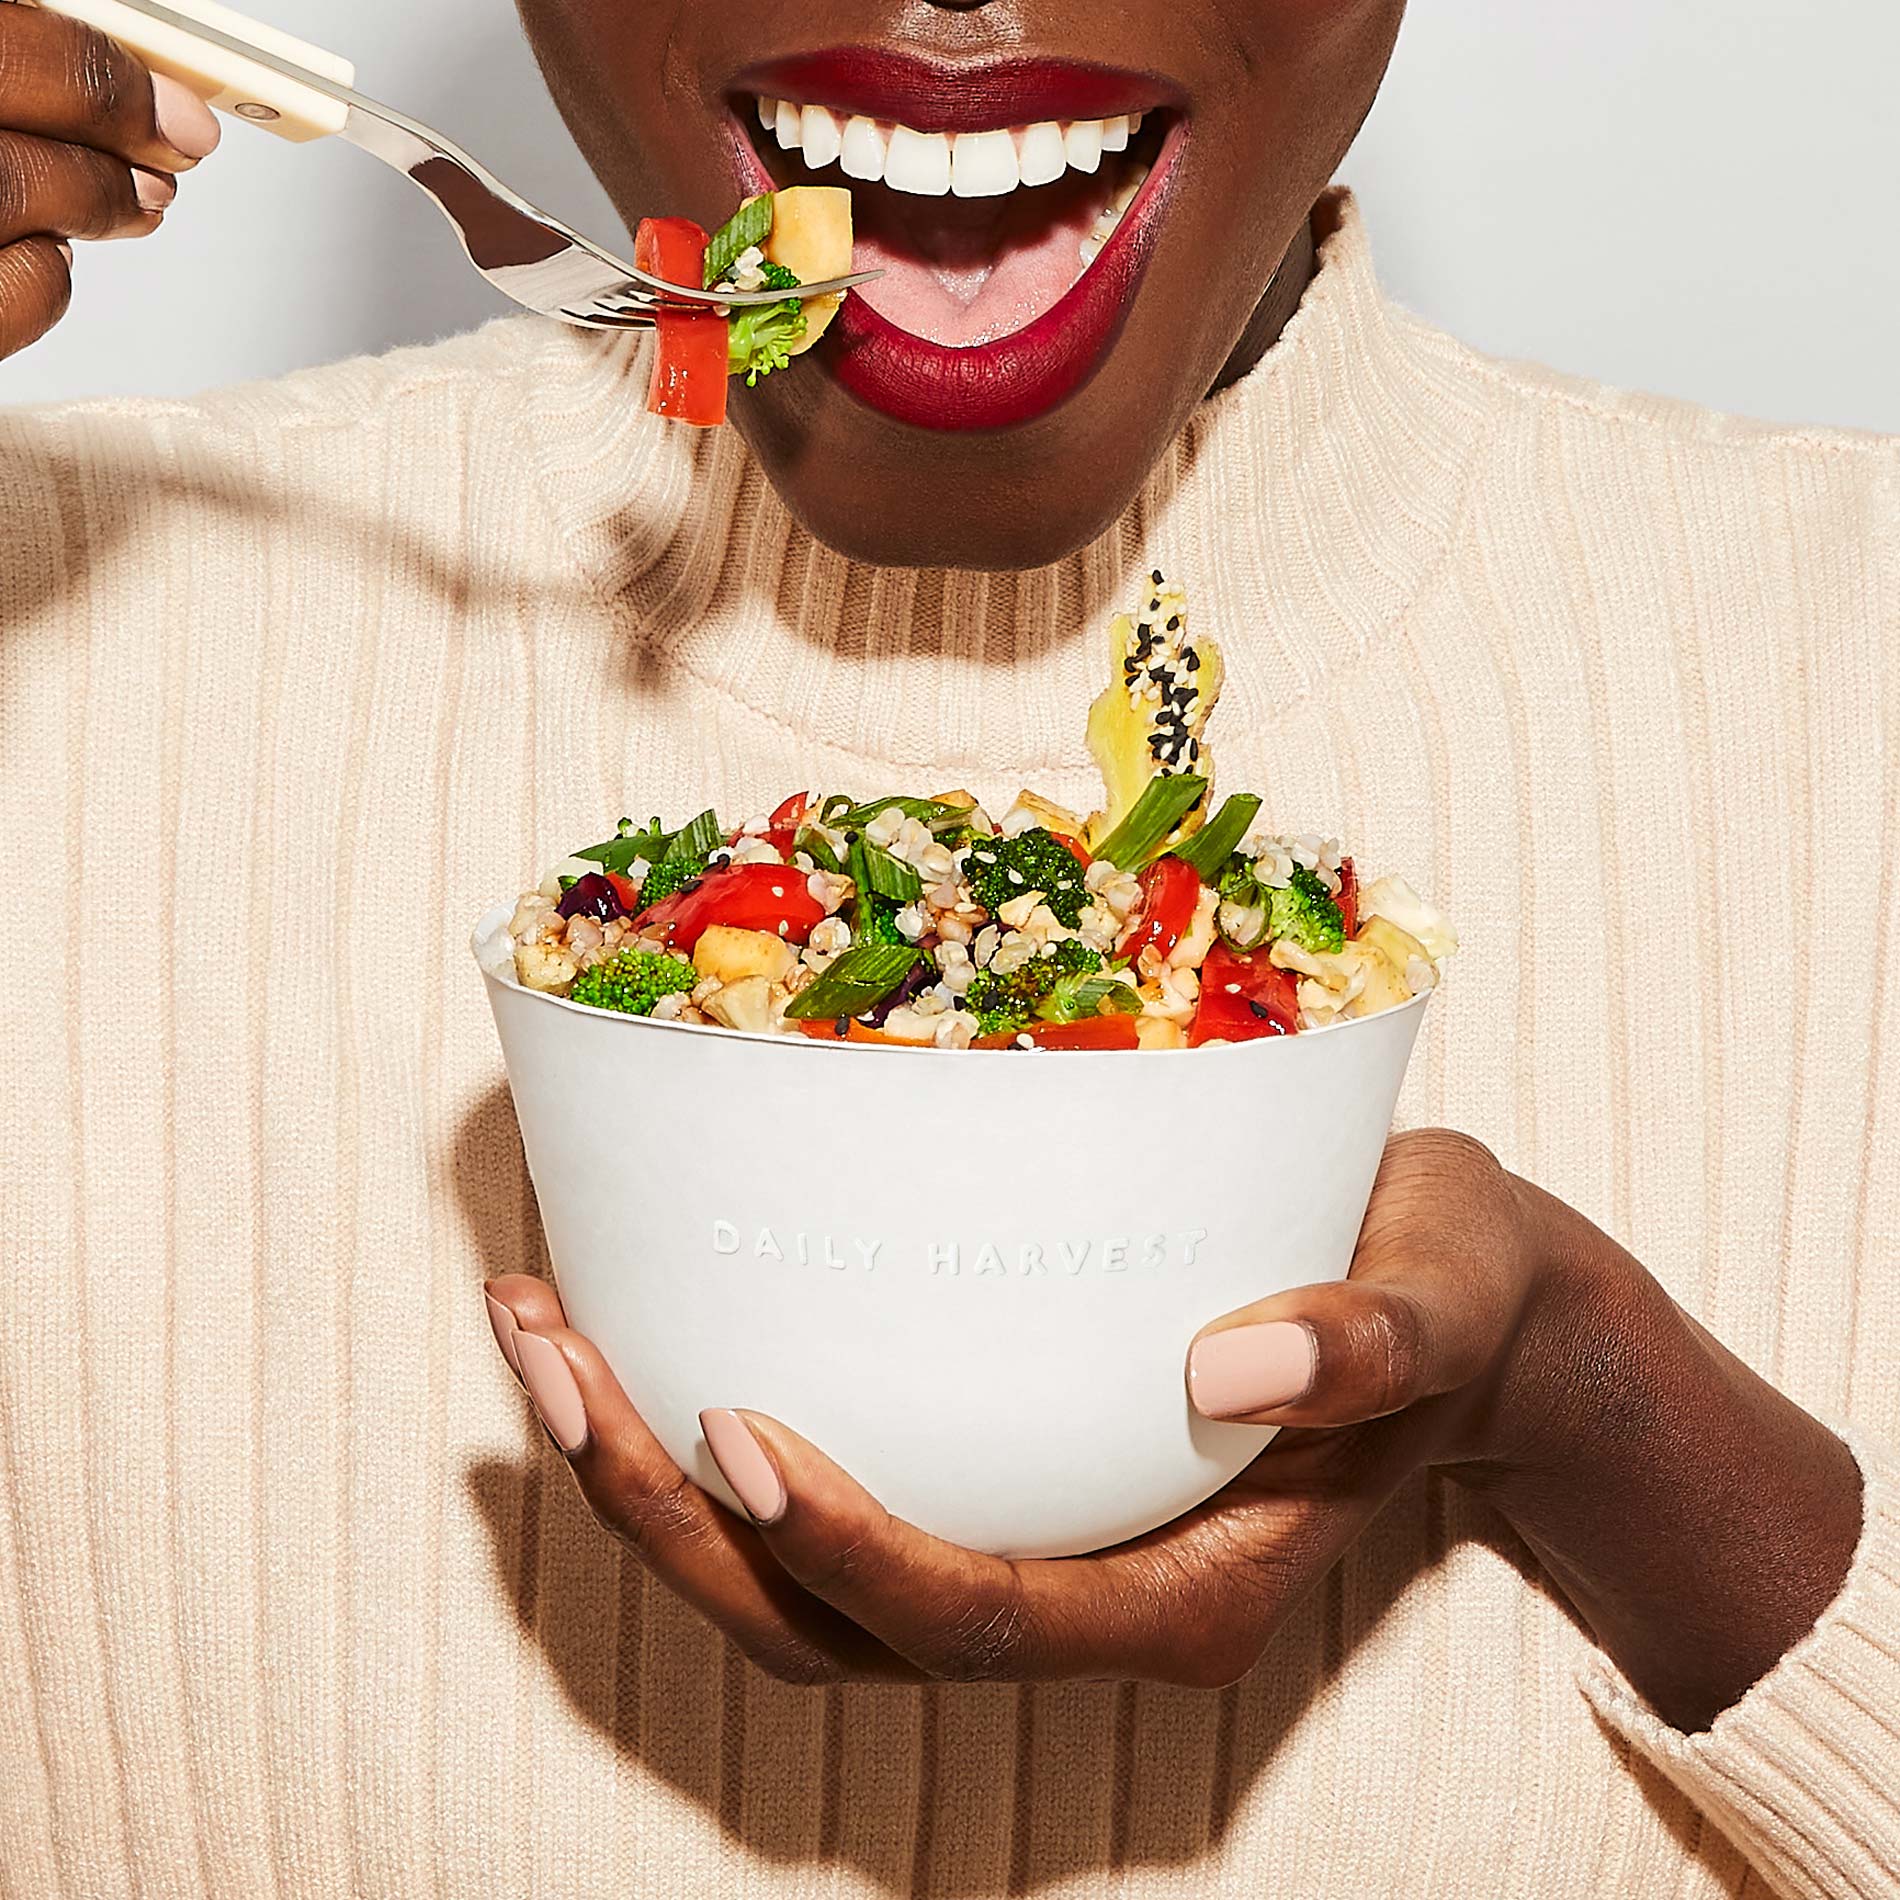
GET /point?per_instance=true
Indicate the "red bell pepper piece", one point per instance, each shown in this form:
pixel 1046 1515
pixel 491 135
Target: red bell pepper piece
pixel 626 890
pixel 1348 898
pixel 1077 849
pixel 689 350
pixel 1243 997
pixel 782 831
pixel 1170 893
pixel 768 897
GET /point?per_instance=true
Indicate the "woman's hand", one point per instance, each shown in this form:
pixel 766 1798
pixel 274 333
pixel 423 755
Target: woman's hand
pixel 90 147
pixel 1484 1328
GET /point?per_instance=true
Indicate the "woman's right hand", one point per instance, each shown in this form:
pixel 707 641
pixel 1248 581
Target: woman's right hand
pixel 91 143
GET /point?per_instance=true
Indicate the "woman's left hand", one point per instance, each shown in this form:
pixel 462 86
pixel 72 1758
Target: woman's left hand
pixel 1484 1328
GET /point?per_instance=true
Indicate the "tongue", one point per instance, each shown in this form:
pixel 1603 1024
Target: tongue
pixel 963 271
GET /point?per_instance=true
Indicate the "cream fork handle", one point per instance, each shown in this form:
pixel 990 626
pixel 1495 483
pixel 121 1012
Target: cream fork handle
pixel 220 76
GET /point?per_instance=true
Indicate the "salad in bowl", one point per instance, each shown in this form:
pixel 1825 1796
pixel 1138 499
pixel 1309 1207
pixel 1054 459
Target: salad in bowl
pixel 1163 921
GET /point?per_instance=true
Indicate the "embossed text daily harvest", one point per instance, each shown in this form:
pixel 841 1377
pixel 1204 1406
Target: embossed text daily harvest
pixel 960 1258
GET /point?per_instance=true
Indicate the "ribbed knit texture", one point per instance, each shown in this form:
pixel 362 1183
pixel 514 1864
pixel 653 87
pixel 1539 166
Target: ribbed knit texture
pixel 294 682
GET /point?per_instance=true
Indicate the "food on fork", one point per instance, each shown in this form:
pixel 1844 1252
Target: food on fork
pixel 776 240
pixel 1159 922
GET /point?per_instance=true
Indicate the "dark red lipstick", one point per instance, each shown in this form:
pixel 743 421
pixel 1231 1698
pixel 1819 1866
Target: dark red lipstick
pixel 1009 379
pixel 937 96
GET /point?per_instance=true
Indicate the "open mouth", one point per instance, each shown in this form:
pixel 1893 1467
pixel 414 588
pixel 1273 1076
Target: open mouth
pixel 1009 207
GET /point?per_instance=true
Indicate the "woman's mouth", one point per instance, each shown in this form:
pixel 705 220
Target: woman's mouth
pixel 1011 209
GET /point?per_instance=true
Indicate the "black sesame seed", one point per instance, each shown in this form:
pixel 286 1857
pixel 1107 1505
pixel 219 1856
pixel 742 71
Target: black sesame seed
pixel 1190 659
pixel 842 1027
pixel 1157 577
pixel 1174 623
pixel 1259 1009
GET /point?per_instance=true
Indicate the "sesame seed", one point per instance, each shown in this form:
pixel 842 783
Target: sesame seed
pixel 1157 577
pixel 1190 659
pixel 1174 623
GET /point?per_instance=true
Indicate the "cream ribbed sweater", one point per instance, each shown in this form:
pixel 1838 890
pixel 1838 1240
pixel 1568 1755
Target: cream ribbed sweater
pixel 294 681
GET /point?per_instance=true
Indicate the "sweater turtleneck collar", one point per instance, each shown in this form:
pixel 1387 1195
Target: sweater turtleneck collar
pixel 1304 507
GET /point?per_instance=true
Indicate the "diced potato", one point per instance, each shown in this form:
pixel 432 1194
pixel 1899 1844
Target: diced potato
pixel 746 1004
pixel 1157 1032
pixel 811 237
pixel 732 955
pixel 1399 946
pixel 1385 985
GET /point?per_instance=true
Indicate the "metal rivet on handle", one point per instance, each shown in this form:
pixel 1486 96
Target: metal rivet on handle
pixel 260 113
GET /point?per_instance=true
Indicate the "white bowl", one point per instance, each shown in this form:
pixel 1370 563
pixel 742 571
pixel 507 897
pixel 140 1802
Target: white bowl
pixel 971 1278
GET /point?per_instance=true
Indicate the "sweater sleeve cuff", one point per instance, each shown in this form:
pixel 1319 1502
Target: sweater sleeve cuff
pixel 1803 1773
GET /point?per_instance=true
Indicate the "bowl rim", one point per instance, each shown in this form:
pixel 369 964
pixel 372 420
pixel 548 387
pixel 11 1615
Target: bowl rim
pixel 493 925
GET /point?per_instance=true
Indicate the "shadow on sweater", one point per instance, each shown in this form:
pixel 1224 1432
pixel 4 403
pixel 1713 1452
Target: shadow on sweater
pixel 953 1791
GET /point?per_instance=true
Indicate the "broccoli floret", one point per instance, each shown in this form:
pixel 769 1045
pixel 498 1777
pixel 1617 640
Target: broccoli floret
pixel 668 880
pixel 1306 913
pixel 1004 868
pixel 1004 1004
pixel 877 922
pixel 760 336
pixel 632 981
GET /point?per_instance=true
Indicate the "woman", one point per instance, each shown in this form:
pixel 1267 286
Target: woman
pixel 1549 1590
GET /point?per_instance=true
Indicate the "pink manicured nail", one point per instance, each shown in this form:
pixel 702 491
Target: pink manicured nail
pixel 1250 1369
pixel 503 1322
pixel 154 190
pixel 185 122
pixel 550 1383
pixel 742 1461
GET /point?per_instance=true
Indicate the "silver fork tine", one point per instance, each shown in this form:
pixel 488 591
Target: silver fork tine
pixel 528 256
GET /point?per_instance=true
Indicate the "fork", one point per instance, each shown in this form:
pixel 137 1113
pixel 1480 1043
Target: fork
pixel 301 93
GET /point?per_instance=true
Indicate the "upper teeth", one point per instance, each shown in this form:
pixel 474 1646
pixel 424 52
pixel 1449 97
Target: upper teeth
pixel 965 164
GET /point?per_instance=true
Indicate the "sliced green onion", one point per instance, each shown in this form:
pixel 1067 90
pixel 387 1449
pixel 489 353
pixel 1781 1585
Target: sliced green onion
pixel 813 844
pixel 1214 843
pixel 751 224
pixel 873 869
pixel 694 842
pixel 860 979
pixel 628 843
pixel 1077 997
pixel 1161 807
pixel 933 812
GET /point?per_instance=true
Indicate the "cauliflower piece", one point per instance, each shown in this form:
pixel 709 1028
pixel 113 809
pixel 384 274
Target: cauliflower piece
pixel 746 1004
pixel 545 966
pixel 1396 901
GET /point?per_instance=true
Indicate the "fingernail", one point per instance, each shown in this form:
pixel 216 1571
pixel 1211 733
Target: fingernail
pixel 503 1322
pixel 742 1462
pixel 185 122
pixel 550 1383
pixel 66 251
pixel 1251 1368
pixel 154 190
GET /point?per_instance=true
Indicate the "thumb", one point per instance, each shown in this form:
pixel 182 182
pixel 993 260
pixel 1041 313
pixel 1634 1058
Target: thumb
pixel 1336 1354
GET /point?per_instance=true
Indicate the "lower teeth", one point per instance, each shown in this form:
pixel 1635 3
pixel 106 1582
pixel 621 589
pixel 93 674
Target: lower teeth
pixel 1105 226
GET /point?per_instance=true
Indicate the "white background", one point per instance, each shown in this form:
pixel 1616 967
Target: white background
pixel 1691 196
